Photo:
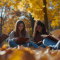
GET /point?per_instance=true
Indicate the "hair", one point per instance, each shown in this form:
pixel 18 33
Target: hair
pixel 23 32
pixel 35 31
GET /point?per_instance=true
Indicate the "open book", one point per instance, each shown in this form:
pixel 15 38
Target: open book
pixel 56 33
pixel 22 40
pixel 50 37
pixel 3 37
pixel 54 36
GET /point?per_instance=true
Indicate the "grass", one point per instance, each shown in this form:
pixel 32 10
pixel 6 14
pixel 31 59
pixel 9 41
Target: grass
pixel 6 44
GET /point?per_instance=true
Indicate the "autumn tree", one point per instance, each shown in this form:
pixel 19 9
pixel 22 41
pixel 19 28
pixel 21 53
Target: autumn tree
pixel 12 17
pixel 10 20
pixel 35 8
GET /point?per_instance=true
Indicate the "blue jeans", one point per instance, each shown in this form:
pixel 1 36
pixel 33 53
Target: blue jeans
pixel 0 45
pixel 46 42
pixel 51 43
pixel 13 44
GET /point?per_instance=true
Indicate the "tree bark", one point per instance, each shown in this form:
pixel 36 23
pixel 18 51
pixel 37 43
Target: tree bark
pixel 1 26
pixel 32 23
pixel 45 16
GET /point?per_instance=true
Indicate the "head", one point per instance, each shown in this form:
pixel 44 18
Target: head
pixel 39 27
pixel 20 28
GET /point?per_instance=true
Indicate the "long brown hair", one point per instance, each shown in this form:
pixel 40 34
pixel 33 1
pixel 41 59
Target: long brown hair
pixel 23 32
pixel 35 32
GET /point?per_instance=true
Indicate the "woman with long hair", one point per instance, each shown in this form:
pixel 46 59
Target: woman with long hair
pixel 20 31
pixel 39 29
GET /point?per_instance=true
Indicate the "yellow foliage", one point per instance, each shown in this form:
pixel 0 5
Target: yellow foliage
pixel 35 8
pixel 8 26
pixel 16 55
pixel 8 29
pixel 22 54
pixel 55 22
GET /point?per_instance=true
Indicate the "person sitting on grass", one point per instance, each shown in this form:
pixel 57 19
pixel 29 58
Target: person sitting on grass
pixel 20 31
pixel 39 29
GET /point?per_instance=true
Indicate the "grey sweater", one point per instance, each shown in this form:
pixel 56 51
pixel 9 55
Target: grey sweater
pixel 11 37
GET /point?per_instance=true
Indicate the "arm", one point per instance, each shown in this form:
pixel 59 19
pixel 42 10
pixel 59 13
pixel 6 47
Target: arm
pixel 47 33
pixel 11 37
pixel 35 40
pixel 27 36
pixel 38 38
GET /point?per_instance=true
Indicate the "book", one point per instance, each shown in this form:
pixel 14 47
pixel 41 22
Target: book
pixel 52 37
pixel 22 40
pixel 56 33
pixel 39 43
pixel 3 37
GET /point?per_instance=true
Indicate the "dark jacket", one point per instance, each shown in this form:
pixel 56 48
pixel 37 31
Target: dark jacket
pixel 39 37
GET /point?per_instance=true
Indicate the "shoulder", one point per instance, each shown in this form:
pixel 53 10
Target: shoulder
pixel 47 33
pixel 12 32
pixel 27 32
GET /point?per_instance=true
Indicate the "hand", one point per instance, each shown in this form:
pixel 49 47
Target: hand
pixel 40 42
pixel 16 39
pixel 27 41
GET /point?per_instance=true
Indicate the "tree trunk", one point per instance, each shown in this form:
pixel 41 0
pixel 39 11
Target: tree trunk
pixel 45 16
pixel 32 22
pixel 1 26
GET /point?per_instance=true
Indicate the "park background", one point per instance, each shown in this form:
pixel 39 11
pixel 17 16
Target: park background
pixel 29 11
pixel 47 11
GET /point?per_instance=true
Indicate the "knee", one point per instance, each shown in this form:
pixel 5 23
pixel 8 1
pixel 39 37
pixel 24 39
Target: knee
pixel 59 41
pixel 10 41
pixel 46 41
